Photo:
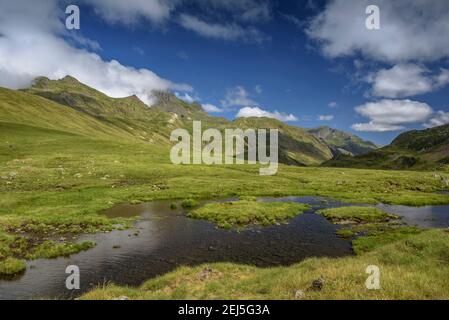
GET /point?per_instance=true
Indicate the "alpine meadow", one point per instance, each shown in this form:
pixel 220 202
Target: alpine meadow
pixel 289 152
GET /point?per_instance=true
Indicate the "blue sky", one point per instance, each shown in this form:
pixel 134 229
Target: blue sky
pixel 309 63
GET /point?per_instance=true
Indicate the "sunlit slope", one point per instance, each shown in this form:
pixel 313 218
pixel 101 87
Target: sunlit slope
pixel 24 108
pixel 296 145
pixel 342 142
pixel 417 149
pixel 154 124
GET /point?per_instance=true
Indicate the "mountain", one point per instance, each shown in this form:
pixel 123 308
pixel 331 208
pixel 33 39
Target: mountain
pixel 417 149
pixel 296 145
pixel 154 124
pixel 342 142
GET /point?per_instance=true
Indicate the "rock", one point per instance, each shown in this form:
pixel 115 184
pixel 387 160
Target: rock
pixel 205 274
pixel 122 298
pixel 116 246
pixel 299 294
pixel 318 284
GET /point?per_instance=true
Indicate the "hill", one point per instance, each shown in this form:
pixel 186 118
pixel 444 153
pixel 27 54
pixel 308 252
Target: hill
pixel 342 142
pixel 417 149
pixel 132 118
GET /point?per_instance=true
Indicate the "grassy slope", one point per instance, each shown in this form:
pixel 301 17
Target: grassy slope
pixel 55 176
pixel 156 123
pixel 413 268
pixel 417 150
pixel 342 140
pixel 295 143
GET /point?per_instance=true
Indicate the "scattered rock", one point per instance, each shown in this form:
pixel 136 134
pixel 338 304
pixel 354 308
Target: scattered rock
pixel 205 274
pixel 299 294
pixel 318 284
pixel 122 298
pixel 116 246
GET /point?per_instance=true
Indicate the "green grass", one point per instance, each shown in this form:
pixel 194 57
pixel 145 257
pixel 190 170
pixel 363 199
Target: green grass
pixel 246 212
pixel 356 214
pixel 11 266
pixel 189 203
pixel 412 268
pixel 382 236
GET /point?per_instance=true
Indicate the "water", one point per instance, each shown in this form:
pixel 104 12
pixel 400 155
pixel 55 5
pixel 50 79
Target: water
pixel 168 239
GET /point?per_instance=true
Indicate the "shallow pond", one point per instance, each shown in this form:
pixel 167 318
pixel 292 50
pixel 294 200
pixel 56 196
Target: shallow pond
pixel 164 239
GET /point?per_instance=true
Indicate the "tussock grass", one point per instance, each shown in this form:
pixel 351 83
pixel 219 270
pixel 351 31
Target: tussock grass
pixel 246 212
pixel 11 266
pixel 356 214
pixel 412 268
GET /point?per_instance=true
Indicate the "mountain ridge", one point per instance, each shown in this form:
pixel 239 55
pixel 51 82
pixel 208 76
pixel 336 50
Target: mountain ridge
pixel 130 118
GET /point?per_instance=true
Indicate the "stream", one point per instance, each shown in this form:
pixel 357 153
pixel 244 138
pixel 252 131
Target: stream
pixel 163 239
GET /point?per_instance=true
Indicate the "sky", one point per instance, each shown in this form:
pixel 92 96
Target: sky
pixel 308 63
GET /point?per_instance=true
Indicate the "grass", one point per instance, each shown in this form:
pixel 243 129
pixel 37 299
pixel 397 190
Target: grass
pixel 189 203
pixel 11 266
pixel 53 182
pixel 247 212
pixel 370 228
pixel 412 268
pixel 356 214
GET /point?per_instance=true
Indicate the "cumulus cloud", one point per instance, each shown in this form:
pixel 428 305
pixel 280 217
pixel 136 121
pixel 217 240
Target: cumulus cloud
pixel 391 115
pixel 229 31
pixel 131 12
pixel 257 112
pixel 325 117
pixel 406 80
pixel 211 108
pixel 376 127
pixel 33 42
pixel 238 97
pixel 439 119
pixel 410 30
pixel 333 104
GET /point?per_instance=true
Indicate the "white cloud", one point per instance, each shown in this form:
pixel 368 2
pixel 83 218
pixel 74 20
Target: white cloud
pixel 257 112
pixel 391 115
pixel 32 45
pixel 439 119
pixel 258 89
pixel 130 12
pixel 410 30
pixel 187 97
pixel 325 117
pixel 375 127
pixel 237 97
pixel 333 104
pixel 406 80
pixel 211 108
pixel 229 31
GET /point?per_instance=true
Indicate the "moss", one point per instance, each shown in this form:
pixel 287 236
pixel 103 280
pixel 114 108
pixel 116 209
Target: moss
pixel 50 249
pixel 11 266
pixel 243 213
pixel 382 236
pixel 189 203
pixel 356 214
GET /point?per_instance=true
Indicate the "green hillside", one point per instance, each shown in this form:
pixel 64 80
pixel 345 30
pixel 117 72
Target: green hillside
pixel 296 145
pixel 342 142
pixel 418 149
pixel 154 124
